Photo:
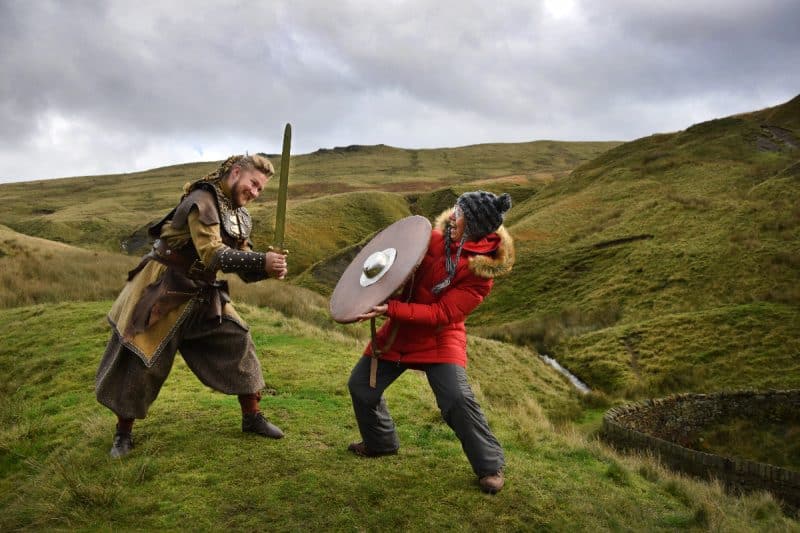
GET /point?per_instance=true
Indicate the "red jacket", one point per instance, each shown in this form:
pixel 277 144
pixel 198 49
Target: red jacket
pixel 430 328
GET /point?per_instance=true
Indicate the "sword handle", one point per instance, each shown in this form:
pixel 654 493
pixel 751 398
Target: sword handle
pixel 277 250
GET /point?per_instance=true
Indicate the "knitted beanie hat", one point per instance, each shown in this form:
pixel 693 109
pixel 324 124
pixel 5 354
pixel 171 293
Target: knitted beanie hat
pixel 483 212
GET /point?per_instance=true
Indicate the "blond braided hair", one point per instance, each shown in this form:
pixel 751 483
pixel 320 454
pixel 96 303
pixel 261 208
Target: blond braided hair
pixel 253 162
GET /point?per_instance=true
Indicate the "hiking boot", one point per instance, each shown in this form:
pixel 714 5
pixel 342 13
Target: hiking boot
pixel 256 423
pixel 122 446
pixel 493 483
pixel 359 448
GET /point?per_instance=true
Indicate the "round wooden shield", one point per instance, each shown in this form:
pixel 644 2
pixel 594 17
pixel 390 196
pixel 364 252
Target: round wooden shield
pixel 405 243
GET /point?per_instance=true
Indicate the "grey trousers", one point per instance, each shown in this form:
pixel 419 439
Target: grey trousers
pixel 454 398
pixel 221 355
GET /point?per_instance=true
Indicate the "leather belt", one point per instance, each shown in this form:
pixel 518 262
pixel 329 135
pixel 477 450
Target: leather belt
pixel 184 260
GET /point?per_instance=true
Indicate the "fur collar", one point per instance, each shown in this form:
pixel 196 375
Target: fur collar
pixel 487 266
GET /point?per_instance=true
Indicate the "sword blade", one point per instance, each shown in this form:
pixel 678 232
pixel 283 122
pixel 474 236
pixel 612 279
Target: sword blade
pixel 283 191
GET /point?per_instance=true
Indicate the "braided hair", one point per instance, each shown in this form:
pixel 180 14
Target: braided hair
pixel 255 161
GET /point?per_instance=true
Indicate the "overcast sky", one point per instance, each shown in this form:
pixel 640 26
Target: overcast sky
pixel 100 86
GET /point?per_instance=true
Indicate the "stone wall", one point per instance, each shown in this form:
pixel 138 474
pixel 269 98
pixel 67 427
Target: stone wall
pixel 665 426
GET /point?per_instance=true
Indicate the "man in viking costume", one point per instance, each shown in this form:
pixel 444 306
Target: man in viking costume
pixel 425 330
pixel 173 301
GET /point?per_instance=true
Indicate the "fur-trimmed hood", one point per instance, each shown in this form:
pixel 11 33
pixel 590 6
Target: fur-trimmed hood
pixel 493 265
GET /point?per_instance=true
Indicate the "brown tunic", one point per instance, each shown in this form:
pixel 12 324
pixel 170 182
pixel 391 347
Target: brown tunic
pixel 173 302
pixel 161 292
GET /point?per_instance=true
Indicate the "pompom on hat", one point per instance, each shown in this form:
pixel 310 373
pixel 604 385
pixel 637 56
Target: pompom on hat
pixel 484 212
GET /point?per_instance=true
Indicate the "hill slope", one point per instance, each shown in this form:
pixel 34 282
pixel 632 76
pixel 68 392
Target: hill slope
pixel 34 270
pixel 193 468
pixel 666 244
pixel 103 211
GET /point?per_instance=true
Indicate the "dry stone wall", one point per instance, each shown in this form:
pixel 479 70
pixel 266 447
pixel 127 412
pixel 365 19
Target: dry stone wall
pixel 665 426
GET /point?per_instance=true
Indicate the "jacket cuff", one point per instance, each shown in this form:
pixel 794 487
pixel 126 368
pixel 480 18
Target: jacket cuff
pixel 230 260
pixel 399 310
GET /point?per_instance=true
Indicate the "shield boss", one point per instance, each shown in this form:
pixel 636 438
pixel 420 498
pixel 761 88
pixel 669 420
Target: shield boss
pixel 381 268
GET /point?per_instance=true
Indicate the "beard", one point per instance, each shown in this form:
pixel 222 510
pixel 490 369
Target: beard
pixel 238 198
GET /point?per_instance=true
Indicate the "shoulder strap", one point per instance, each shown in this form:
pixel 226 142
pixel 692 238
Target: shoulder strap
pixel 206 205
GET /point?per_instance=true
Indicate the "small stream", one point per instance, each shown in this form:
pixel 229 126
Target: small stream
pixel 578 384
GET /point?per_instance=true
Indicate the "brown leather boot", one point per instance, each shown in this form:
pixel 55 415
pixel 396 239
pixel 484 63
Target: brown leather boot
pixel 256 423
pixel 122 445
pixel 493 483
pixel 359 448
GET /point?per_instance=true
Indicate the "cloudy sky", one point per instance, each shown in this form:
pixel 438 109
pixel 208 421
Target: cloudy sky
pixel 106 86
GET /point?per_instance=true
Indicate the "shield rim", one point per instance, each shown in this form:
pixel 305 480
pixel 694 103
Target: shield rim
pixel 346 312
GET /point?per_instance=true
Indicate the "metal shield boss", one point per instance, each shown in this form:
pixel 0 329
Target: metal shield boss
pixel 382 267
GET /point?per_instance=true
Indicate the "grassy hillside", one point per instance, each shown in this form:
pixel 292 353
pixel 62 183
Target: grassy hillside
pixel 192 468
pixel 682 248
pixel 748 346
pixel 34 270
pixel 100 212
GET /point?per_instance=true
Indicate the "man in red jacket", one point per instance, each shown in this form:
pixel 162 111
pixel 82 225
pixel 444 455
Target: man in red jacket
pixel 468 248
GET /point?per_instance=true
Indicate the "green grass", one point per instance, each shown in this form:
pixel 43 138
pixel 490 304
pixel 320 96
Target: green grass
pixel 750 346
pixel 193 468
